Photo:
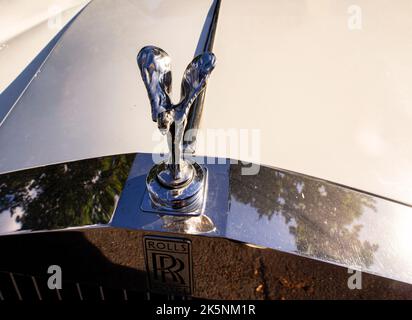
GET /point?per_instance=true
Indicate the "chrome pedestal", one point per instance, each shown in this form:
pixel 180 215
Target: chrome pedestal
pixel 165 196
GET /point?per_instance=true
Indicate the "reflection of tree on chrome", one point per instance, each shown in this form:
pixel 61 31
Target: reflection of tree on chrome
pixel 70 194
pixel 321 216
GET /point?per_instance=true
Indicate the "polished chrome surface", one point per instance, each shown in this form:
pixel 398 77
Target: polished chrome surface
pixel 275 209
pixel 184 199
pixel 135 209
pixel 65 195
pixel 290 212
pixel 175 184
pixel 205 44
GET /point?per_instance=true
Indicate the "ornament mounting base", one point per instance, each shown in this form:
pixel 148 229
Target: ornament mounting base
pixel 185 201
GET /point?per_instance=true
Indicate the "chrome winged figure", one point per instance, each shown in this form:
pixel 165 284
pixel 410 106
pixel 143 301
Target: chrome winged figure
pixel 154 65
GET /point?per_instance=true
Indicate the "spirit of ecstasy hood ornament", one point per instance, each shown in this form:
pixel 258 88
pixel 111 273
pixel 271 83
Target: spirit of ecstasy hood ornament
pixel 175 186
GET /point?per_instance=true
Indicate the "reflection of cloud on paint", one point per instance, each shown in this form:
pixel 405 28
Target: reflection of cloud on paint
pixel 371 142
pixel 9 225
